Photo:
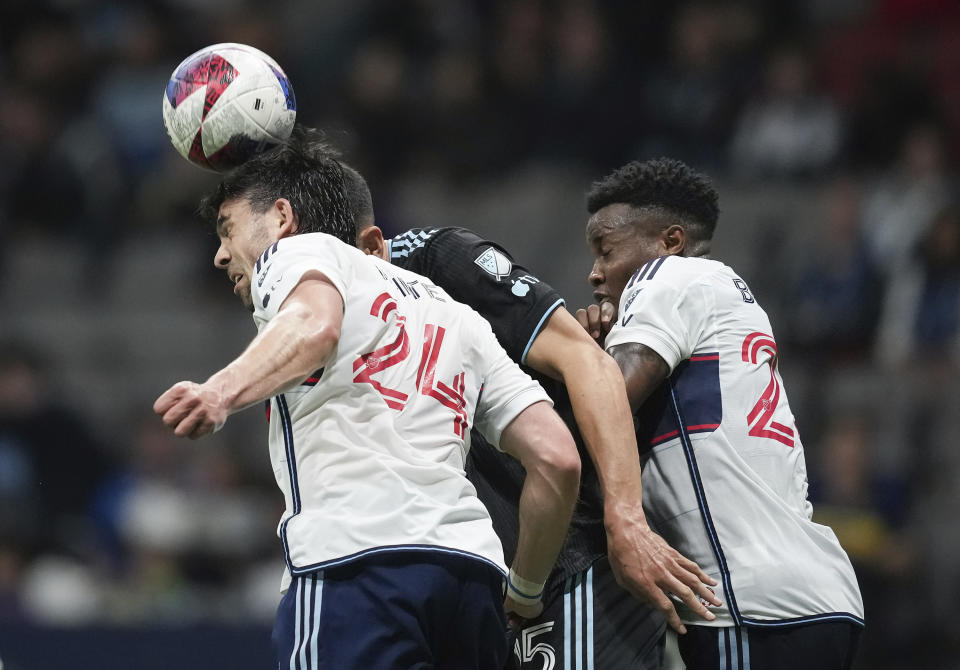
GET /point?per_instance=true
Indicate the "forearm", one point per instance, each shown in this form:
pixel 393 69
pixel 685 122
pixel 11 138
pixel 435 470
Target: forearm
pixel 543 444
pixel 599 400
pixel 286 352
pixel 600 405
pixel 546 507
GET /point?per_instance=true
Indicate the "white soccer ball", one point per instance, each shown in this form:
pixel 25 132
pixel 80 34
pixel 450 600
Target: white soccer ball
pixel 225 103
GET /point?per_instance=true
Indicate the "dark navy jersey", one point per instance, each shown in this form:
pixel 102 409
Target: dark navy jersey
pixel 484 276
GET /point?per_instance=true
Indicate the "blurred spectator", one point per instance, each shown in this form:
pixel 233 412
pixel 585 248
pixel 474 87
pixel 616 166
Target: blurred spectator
pixel 921 321
pixel 690 100
pixel 905 198
pixel 40 192
pixel 377 104
pixel 185 522
pixel 51 463
pixel 518 78
pixel 11 574
pixel 583 83
pixel 865 507
pixel 789 129
pixel 868 509
pixel 491 115
pixel 125 97
pixel 835 299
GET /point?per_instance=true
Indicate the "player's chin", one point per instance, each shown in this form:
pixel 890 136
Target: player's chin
pixel 247 299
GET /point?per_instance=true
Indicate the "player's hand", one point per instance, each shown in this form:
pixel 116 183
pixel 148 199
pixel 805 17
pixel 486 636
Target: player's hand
pixel 519 613
pixel 191 410
pixel 597 320
pixel 650 569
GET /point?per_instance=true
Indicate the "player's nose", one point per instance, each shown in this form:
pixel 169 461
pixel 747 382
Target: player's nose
pixel 596 276
pixel 222 258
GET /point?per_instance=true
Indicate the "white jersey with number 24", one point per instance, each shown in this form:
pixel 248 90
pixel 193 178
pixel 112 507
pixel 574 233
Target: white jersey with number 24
pixel 369 452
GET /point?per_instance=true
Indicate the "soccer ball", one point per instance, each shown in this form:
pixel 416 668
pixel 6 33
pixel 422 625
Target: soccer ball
pixel 225 103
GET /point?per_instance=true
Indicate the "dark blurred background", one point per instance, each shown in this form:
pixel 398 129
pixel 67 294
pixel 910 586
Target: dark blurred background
pixel 831 128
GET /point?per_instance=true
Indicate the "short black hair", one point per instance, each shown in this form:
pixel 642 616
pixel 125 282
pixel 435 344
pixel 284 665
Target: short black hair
pixel 304 170
pixel 359 197
pixel 663 183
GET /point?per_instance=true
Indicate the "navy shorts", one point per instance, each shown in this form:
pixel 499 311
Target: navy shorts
pixel 591 624
pixel 394 611
pixel 829 645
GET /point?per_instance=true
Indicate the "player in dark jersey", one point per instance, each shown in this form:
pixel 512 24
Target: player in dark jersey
pixel 588 620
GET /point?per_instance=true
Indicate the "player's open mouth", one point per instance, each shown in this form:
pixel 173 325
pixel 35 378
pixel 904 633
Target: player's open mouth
pixel 601 297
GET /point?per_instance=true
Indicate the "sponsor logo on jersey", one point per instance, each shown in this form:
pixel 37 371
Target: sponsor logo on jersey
pixel 495 263
pixel 521 285
pixel 520 289
pixel 263 275
pixel 633 296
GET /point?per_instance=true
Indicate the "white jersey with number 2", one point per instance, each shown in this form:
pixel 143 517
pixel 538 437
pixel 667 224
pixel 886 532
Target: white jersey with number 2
pixel 726 482
pixel 369 451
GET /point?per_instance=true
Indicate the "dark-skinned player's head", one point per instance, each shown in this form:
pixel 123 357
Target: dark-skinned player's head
pixel 645 210
pixel 303 170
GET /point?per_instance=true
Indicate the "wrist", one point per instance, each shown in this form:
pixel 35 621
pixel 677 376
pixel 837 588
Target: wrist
pixel 216 391
pixel 523 590
pixel 617 513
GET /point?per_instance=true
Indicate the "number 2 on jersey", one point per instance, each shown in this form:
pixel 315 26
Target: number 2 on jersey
pixel 369 364
pixel 757 346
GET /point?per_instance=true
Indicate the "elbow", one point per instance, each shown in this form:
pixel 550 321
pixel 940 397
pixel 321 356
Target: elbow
pixel 569 470
pixel 319 340
pixel 563 464
pixel 313 337
pixel 607 365
pixel 588 362
pixel 543 444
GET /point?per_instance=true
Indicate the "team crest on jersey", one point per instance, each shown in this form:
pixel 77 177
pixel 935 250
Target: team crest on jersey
pixel 495 263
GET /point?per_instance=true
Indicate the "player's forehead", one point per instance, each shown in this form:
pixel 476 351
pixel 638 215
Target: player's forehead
pixel 232 211
pixel 610 221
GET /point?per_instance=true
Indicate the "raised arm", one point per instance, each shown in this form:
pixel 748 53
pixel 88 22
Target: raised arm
pixel 642 561
pixel 296 342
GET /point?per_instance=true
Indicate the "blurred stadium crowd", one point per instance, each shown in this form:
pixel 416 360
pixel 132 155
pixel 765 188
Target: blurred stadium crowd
pixel 832 128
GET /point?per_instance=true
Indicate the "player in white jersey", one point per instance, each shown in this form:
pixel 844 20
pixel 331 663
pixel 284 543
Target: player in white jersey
pixel 375 379
pixel 724 480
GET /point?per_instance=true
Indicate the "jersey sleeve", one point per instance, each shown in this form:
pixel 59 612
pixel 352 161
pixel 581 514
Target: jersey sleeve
pixel 664 310
pixel 484 276
pixel 507 390
pixel 280 268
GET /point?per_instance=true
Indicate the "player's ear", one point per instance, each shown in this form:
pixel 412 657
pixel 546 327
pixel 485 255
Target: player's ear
pixel 286 219
pixel 370 241
pixel 674 240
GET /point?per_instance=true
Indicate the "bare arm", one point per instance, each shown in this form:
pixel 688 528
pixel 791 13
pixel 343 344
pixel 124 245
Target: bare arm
pixel 643 371
pixel 641 560
pixel 539 439
pixel 294 344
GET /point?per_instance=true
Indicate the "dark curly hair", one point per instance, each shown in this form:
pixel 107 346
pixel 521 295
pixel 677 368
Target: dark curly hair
pixel 304 170
pixel 666 184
